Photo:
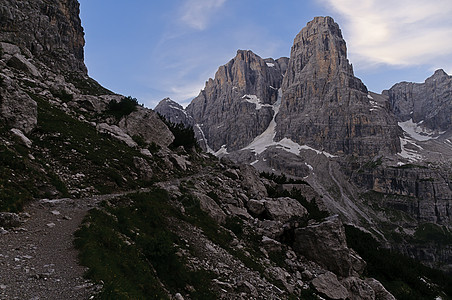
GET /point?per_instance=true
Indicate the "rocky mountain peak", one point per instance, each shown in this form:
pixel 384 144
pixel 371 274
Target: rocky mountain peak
pixel 324 105
pixel 320 49
pixel 173 112
pixel 236 106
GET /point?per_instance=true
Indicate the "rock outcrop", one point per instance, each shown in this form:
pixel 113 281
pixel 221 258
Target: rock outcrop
pixel 427 104
pixel 325 243
pixel 49 31
pixel 236 106
pixel 174 112
pixel 324 105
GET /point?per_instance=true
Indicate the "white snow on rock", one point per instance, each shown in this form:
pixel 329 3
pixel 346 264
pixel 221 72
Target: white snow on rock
pixel 266 139
pixel 253 99
pixel 270 65
pixel 409 154
pixel 222 151
pixel 417 132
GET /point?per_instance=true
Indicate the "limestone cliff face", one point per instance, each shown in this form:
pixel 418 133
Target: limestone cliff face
pixel 427 102
pixel 235 107
pixel 324 105
pixel 50 31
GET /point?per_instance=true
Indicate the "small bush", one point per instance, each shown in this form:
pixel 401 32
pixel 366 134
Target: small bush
pixel 183 136
pixel 125 107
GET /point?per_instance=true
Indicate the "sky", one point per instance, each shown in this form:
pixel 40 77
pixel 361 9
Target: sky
pixel 151 49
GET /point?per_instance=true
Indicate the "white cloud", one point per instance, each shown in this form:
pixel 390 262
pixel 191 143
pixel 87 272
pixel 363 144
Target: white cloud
pixel 400 33
pixel 198 13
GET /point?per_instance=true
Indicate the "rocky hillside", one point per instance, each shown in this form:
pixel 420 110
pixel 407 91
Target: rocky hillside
pixel 163 220
pixel 378 161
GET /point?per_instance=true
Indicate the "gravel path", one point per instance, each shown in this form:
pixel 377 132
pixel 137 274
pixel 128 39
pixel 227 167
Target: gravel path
pixel 38 259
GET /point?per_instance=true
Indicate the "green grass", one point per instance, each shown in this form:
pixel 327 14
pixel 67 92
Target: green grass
pixel 135 271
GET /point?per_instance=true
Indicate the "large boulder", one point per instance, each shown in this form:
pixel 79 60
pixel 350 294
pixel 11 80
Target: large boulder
pixel 328 285
pixel 325 243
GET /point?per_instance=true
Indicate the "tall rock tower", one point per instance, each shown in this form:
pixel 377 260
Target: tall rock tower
pixel 324 105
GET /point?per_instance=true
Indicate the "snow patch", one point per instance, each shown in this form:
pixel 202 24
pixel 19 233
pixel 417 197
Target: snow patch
pixel 309 166
pixel 409 154
pixel 418 132
pixel 370 97
pixel 209 150
pixel 270 65
pixel 254 162
pixel 253 99
pixel 222 151
pixel 266 139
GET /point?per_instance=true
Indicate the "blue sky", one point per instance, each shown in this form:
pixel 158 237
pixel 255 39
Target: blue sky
pixel 156 49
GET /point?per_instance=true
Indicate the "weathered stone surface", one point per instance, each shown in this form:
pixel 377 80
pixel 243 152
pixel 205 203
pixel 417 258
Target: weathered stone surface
pixel 328 285
pixel 23 139
pixel 251 180
pixel 325 243
pixel 358 289
pixel 143 166
pixel 380 292
pixel 235 107
pixel 427 102
pixel 324 105
pixel 17 108
pixel 256 207
pixel 284 209
pixel 50 31
pixel 19 62
pixel 117 133
pixel 174 112
pixel 208 205
pixel 146 123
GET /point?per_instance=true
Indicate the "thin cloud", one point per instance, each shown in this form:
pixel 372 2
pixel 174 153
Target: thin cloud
pixel 198 13
pixel 398 33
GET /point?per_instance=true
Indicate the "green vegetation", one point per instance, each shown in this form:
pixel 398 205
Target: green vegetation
pixel 404 277
pixel 183 136
pixel 62 95
pixel 125 107
pixel 130 248
pixel 428 232
pixel 87 85
pixel 281 179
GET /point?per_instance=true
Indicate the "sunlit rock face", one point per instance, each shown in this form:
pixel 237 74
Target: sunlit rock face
pixel 324 105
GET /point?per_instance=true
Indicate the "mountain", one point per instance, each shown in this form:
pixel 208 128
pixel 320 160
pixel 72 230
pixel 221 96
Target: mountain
pixel 101 198
pixel 236 106
pixel 324 105
pixel 369 156
pixel 426 104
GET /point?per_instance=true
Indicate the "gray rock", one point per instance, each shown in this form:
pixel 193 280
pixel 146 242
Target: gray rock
pixel 324 105
pixel 325 243
pixel 235 107
pixel 328 285
pixel 146 123
pixel 174 112
pixel 284 209
pixel 256 207
pixel 427 102
pixel 21 63
pixel 143 166
pixel 380 292
pixel 208 205
pixel 24 140
pixel 358 289
pixel 51 32
pixel 17 108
